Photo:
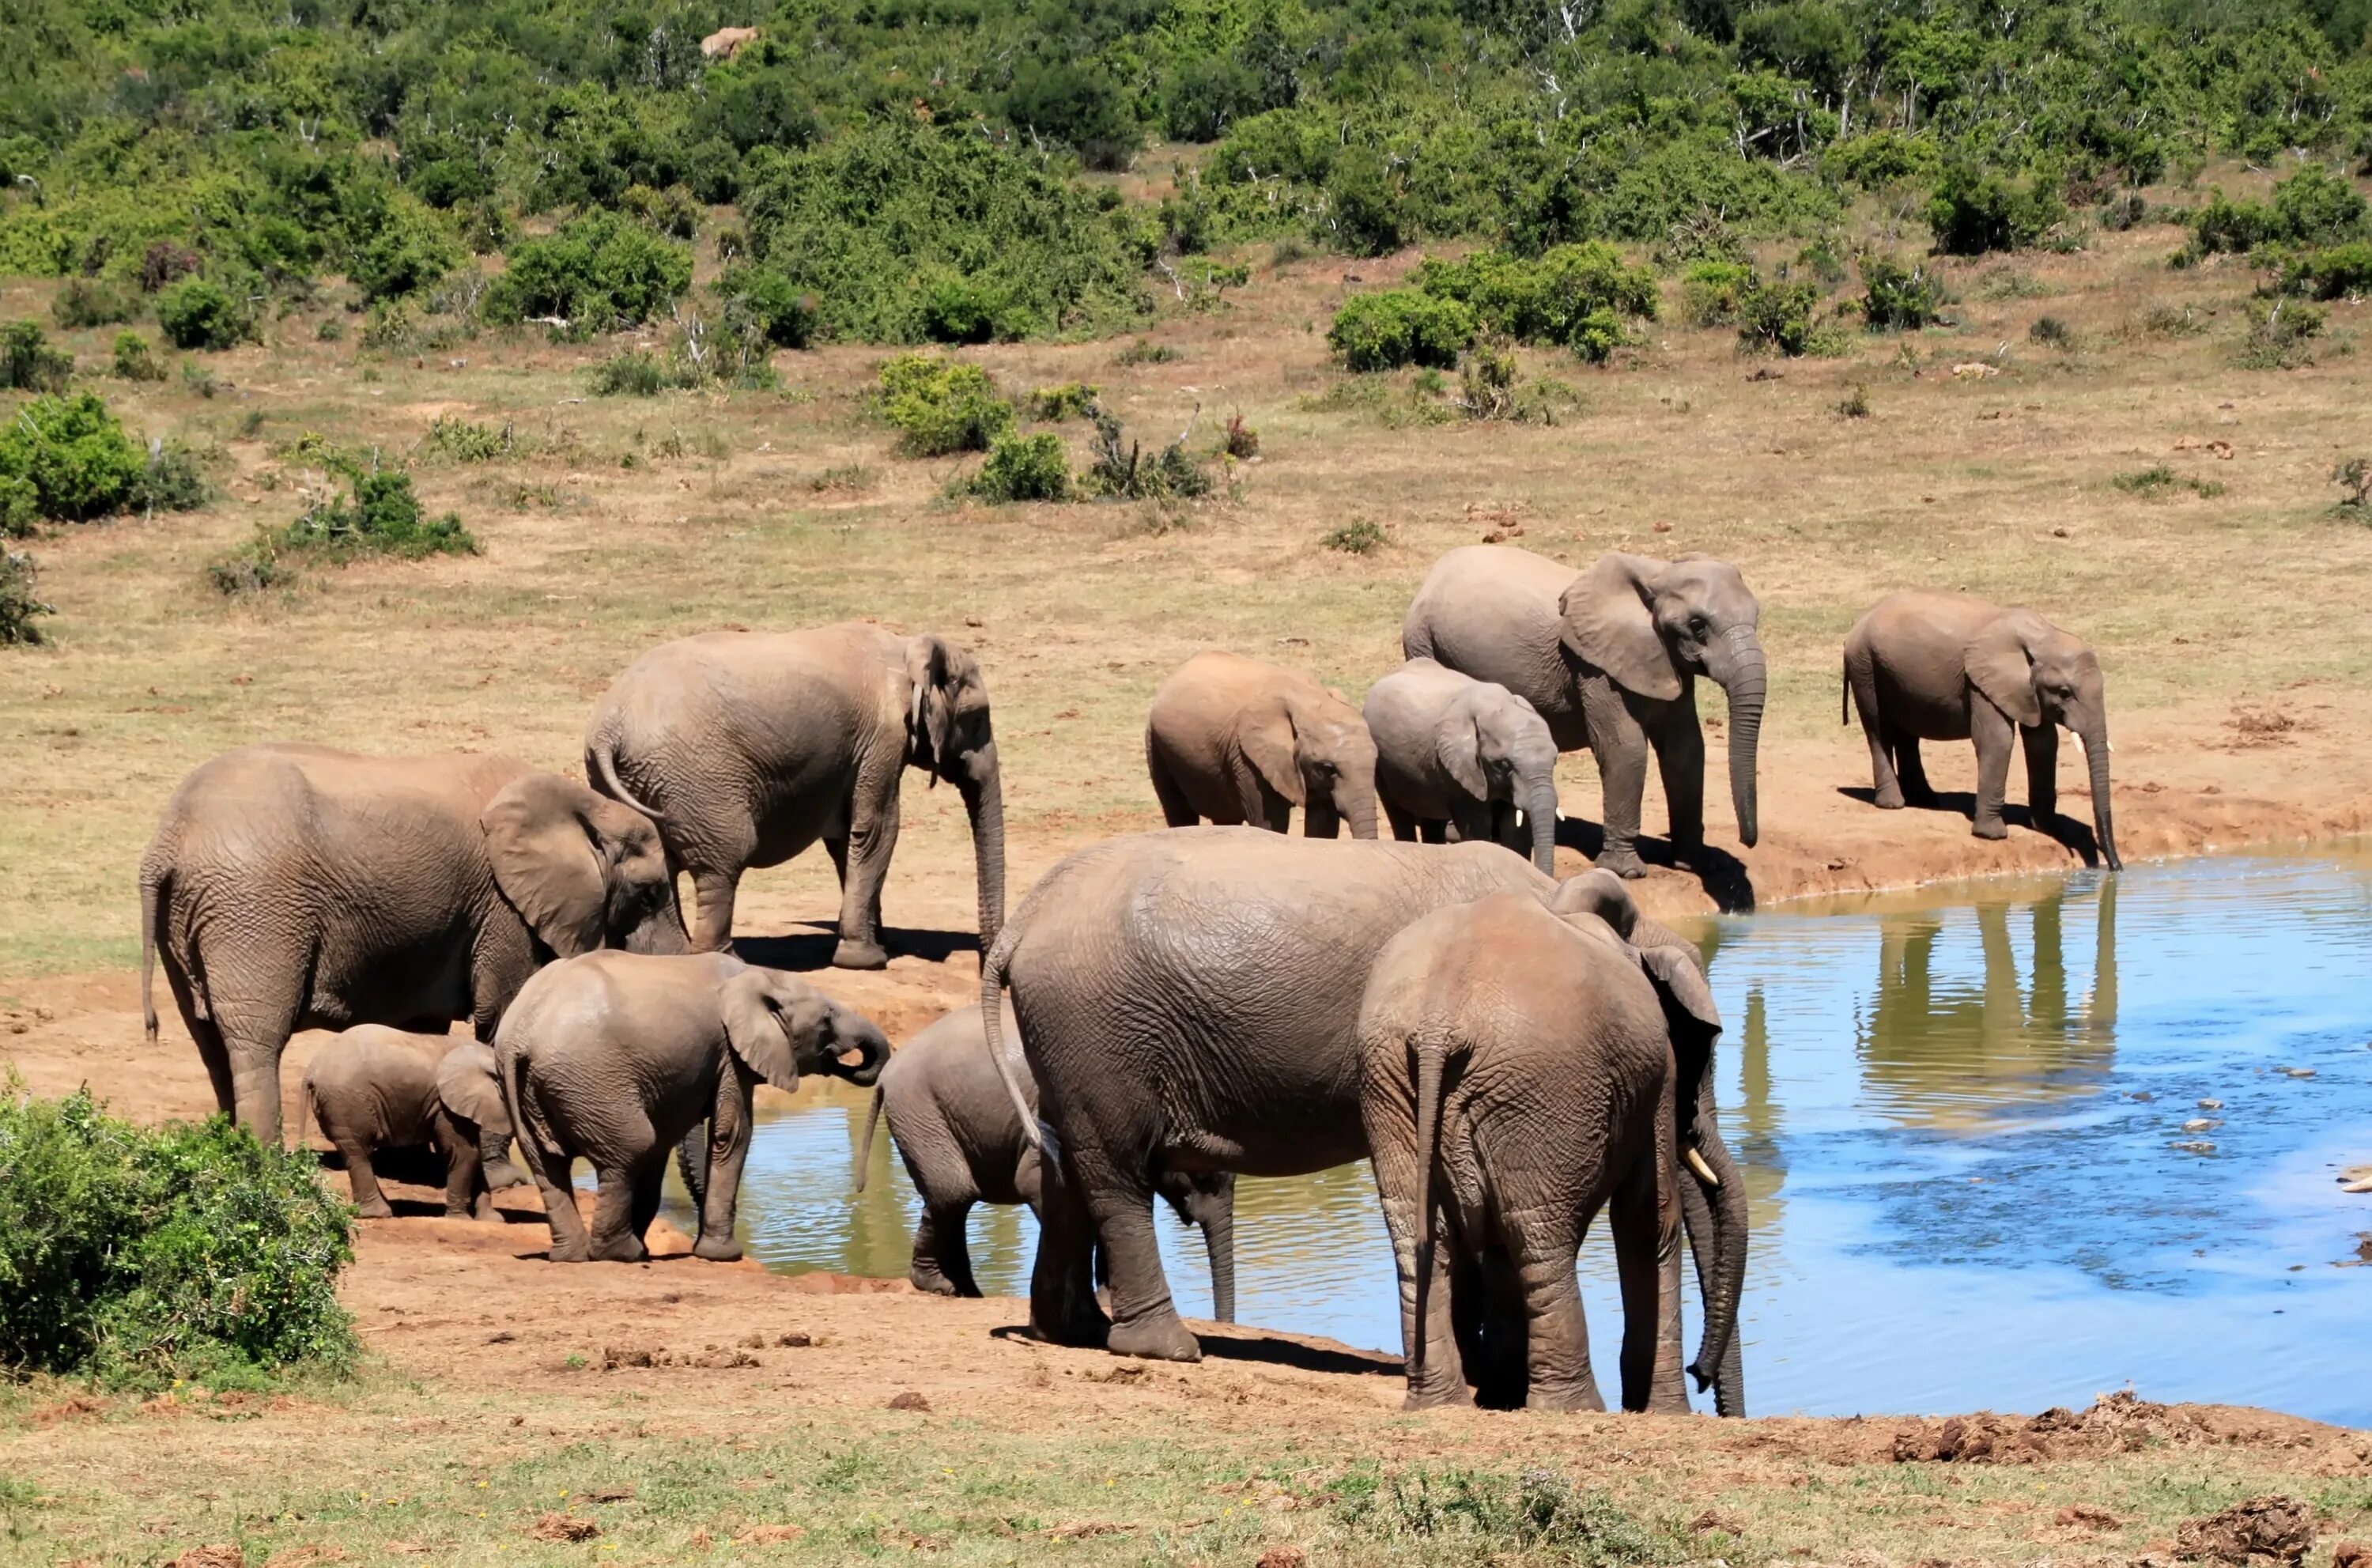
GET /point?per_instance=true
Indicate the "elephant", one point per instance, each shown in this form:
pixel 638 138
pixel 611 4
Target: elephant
pixel 1925 666
pixel 963 1144
pixel 749 746
pixel 374 1087
pixel 1458 755
pixel 1237 740
pixel 1188 1000
pixel 296 887
pixel 1610 655
pixel 616 1056
pixel 1523 1064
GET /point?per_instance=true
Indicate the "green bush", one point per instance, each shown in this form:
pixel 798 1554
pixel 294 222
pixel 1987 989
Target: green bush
pixel 1118 469
pixel 1574 297
pixel 1360 536
pixel 785 312
pixel 2280 337
pixel 89 302
pixel 2337 271
pixel 18 604
pixel 1712 291
pixel 1063 401
pixel 135 358
pixel 1780 317
pixel 28 363
pixel 133 1255
pixel 600 272
pixel 201 313
pixel 632 373
pixel 1393 327
pixel 382 518
pixel 938 406
pixel 1898 298
pixel 411 254
pixel 1025 468
pixel 66 460
pixel 1975 210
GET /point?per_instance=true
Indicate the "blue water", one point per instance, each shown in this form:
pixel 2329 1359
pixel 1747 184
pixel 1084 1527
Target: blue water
pixel 1961 1114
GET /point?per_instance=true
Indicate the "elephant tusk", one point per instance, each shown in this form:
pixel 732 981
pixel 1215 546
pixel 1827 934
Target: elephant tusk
pixel 1705 1172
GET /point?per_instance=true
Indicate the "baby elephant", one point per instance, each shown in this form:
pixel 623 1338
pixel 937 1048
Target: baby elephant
pixel 616 1056
pixel 956 1129
pixel 1945 667
pixel 1230 740
pixel 1458 755
pixel 1521 1065
pixel 375 1088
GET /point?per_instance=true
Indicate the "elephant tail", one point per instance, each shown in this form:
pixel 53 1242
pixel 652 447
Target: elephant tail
pixel 1845 694
pixel 991 1014
pixel 304 1108
pixel 601 766
pixel 865 1147
pixel 148 907
pixel 1432 1049
pixel 510 1069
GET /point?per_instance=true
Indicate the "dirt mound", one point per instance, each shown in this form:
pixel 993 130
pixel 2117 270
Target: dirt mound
pixel 2260 1530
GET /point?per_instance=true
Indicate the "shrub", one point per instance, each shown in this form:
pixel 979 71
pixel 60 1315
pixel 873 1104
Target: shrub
pixel 1711 292
pixel 1393 327
pixel 1896 298
pixel 382 518
pixel 18 604
pixel 2353 475
pixel 66 460
pixel 1241 442
pixel 1976 210
pixel 1144 351
pixel 464 441
pixel 632 373
pixel 1572 296
pixel 1780 317
pixel 1360 536
pixel 1024 468
pixel 598 273
pixel 166 262
pixel 1063 401
pixel 1855 403
pixel 2051 332
pixel 674 212
pixel 411 252
pixel 2280 335
pixel 2311 207
pixel 939 406
pixel 198 313
pixel 786 314
pixel 28 363
pixel 1121 471
pixel 2338 271
pixel 86 302
pixel 134 1254
pixel 135 358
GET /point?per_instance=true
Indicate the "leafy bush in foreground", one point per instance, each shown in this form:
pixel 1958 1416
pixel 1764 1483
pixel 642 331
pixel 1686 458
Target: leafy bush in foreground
pixel 1393 327
pixel 381 516
pixel 88 302
pixel 65 459
pixel 1898 298
pixel 1574 296
pixel 135 358
pixel 600 272
pixel 1976 210
pixel 2338 271
pixel 201 313
pixel 17 604
pixel 1025 468
pixel 133 1255
pixel 1780 317
pixel 938 406
pixel 1710 292
pixel 28 363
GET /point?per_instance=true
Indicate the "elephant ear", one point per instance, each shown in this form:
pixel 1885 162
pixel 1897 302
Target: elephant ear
pixel 1458 746
pixel 1680 981
pixel 1265 737
pixel 2001 668
pixel 540 837
pixel 932 676
pixel 758 1010
pixel 465 1082
pixel 1608 625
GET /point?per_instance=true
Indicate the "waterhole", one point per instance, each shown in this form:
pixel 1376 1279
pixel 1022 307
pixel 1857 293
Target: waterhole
pixel 1977 1134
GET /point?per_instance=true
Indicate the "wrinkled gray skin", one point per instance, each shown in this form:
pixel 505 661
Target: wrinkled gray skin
pixel 1189 1002
pixel 1231 739
pixel 748 747
pixel 963 1144
pixel 1459 757
pixel 375 1088
pixel 614 1057
pixel 293 887
pixel 1610 655
pixel 1522 1066
pixel 1945 667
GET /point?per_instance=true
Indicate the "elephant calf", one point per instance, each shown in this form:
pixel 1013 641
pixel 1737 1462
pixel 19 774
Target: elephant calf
pixel 617 1056
pixel 1458 755
pixel 1945 667
pixel 1521 1065
pixel 375 1088
pixel 963 1144
pixel 1230 740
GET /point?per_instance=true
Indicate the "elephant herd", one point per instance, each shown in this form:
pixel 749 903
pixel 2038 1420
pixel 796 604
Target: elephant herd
pixel 1164 1011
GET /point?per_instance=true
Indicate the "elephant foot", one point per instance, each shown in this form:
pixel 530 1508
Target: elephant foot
pixel 1456 1395
pixel 854 954
pixel 1625 863
pixel 1578 1397
pixel 718 1250
pixel 570 1252
pixel 931 1283
pixel 1991 831
pixel 1155 1339
pixel 629 1250
pixel 1889 798
pixel 483 1209
pixel 503 1173
pixel 375 1209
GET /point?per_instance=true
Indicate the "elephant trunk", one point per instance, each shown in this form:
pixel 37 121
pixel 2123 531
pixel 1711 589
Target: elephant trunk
pixel 865 1149
pixel 1718 1361
pixel 2095 736
pixel 1219 1242
pixel 853 1031
pixel 1541 816
pixel 255 1094
pixel 1743 674
pixel 982 786
pixel 1354 802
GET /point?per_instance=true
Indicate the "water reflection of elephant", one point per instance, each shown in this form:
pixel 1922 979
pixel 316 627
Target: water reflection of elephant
pixel 1934 1041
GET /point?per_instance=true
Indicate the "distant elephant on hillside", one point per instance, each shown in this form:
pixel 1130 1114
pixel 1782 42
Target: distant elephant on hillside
pixel 1233 740
pixel 1458 755
pixel 375 1088
pixel 748 747
pixel 294 887
pixel 963 1144
pixel 616 1057
pixel 1610 657
pixel 1925 666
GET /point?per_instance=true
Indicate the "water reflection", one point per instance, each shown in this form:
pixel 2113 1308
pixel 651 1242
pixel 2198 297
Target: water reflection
pixel 1963 1124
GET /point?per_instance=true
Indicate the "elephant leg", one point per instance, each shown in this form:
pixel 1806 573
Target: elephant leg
pixel 943 1251
pixel 555 1178
pixel 1542 1242
pixel 838 850
pixel 1993 732
pixel 872 836
pixel 361 1179
pixel 1910 769
pixel 1119 1198
pixel 1208 1203
pixel 1885 787
pixel 1619 744
pixel 615 1239
pixel 465 1183
pixel 729 1125
pixel 1276 813
pixel 1434 829
pixel 1063 1306
pixel 713 891
pixel 650 1191
pixel 1472 819
pixel 1403 825
pixel 217 1057
pixel 1175 810
pixel 1429 1346
pixel 1678 739
pixel 2041 744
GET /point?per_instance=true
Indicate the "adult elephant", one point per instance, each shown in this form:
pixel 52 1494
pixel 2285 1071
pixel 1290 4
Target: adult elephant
pixel 1945 667
pixel 1231 739
pixel 1188 1002
pixel 295 887
pixel 748 747
pixel 1610 655
pixel 1456 753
